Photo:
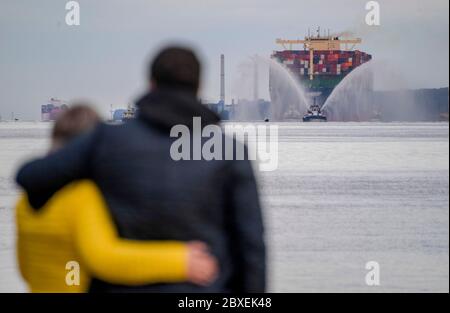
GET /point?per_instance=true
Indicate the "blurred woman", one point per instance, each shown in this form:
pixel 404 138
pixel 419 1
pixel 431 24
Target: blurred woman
pixel 72 238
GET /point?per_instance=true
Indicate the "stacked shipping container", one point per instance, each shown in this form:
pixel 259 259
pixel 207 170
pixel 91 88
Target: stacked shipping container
pixel 326 62
pixel 51 111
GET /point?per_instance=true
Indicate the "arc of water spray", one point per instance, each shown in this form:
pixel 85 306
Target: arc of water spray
pixel 285 78
pixel 287 95
pixel 350 99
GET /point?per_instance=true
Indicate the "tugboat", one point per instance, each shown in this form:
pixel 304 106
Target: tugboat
pixel 314 114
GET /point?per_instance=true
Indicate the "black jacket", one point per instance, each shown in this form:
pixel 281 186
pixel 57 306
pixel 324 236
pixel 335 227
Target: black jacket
pixel 153 197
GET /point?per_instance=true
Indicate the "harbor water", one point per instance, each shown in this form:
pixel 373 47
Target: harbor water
pixel 344 194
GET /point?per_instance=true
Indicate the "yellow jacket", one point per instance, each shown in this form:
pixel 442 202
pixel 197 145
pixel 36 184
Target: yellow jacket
pixel 75 225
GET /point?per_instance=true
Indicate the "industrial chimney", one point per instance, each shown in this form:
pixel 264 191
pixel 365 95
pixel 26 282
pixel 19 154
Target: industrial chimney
pixel 222 78
pixel 255 78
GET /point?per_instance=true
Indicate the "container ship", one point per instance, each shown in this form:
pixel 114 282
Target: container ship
pixel 321 65
pixel 53 108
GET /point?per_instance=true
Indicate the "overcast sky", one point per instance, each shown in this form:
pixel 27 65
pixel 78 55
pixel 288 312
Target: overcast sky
pixel 104 58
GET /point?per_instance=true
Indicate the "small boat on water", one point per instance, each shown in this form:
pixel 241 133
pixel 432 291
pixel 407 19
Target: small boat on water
pixel 314 114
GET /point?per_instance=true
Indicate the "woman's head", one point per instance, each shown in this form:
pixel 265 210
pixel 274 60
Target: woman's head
pixel 78 119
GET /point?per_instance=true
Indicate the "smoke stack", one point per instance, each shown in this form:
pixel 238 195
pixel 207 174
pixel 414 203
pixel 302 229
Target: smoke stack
pixel 255 79
pixel 222 78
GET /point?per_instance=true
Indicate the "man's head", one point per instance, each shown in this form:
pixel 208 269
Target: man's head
pixel 76 120
pixel 175 67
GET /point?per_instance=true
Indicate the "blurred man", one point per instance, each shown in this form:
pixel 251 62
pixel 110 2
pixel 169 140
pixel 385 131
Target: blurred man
pixel 153 197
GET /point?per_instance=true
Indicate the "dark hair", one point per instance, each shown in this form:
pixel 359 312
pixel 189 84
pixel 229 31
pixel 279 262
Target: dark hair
pixel 176 67
pixel 74 121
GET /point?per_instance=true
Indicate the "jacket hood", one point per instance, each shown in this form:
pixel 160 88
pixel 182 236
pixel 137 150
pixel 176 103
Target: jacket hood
pixel 165 108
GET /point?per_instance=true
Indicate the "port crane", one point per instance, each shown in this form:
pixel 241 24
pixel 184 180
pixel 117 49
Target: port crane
pixel 319 43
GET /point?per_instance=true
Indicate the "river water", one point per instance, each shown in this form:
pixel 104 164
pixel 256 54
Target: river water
pixel 344 194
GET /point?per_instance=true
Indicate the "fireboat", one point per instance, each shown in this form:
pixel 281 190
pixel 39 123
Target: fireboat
pixel 314 114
